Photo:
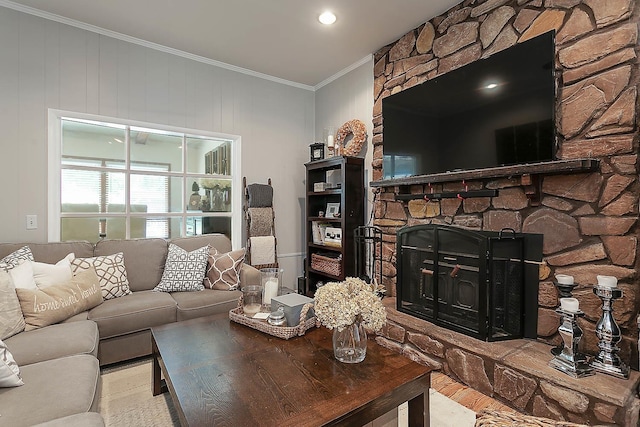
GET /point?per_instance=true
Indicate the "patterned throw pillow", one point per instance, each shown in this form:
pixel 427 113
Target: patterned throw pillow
pixel 183 271
pixel 53 304
pixel 111 272
pixel 11 319
pixel 15 258
pixel 223 270
pixel 9 370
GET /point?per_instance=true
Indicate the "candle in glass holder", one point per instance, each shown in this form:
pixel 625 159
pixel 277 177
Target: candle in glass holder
pixel 564 279
pixel 270 290
pixel 569 304
pixel 607 281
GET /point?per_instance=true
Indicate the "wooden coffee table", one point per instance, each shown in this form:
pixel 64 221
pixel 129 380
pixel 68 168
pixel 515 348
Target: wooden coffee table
pixel 219 372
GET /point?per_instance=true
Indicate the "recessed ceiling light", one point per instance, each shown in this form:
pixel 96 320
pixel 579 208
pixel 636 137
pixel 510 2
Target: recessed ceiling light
pixel 327 18
pixel 491 86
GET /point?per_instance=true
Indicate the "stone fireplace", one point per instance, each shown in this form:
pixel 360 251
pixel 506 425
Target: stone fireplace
pixel 586 206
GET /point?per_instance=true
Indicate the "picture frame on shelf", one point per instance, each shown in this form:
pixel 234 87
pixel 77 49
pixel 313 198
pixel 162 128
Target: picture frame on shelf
pixel 333 210
pixel 333 236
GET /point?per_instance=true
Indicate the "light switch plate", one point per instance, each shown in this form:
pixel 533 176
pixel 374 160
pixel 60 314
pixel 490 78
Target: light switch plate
pixel 32 222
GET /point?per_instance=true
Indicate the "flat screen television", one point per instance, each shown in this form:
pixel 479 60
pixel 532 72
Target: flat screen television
pixel 493 112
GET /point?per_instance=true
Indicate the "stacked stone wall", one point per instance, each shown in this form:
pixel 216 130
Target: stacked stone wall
pixel 589 220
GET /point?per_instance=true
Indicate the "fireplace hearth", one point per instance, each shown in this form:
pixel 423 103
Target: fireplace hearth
pixel 483 284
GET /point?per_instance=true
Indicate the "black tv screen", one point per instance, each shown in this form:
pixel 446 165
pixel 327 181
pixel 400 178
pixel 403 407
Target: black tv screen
pixel 493 112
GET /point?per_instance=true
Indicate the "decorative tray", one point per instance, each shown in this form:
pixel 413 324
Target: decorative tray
pixel 284 332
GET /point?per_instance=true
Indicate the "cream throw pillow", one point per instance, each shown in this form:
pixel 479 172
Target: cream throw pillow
pixel 9 370
pixel 11 319
pixel 52 274
pixel 43 307
pixel 111 271
pixel 223 270
pixel 22 275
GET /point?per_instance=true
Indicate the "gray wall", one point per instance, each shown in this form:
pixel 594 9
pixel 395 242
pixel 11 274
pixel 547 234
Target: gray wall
pixel 349 97
pixel 46 64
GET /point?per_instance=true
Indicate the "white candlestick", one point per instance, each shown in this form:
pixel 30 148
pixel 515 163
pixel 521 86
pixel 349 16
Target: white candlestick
pixel 607 281
pixel 564 279
pixel 270 291
pixel 569 304
pixel 330 141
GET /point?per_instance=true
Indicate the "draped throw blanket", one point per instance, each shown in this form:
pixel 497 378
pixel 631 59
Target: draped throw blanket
pixel 260 221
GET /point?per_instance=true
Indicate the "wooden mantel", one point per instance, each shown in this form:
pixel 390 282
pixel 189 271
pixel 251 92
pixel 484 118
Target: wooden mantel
pixel 541 168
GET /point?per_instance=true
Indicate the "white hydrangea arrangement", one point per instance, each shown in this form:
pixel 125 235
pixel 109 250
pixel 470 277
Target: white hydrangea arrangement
pixel 340 304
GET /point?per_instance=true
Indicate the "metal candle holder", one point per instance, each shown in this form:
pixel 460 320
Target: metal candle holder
pixel 570 360
pixel 565 291
pixel 607 361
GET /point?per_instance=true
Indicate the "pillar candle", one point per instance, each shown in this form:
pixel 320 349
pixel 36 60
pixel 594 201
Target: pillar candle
pixel 564 279
pixel 330 141
pixel 607 281
pixel 569 304
pixel 270 291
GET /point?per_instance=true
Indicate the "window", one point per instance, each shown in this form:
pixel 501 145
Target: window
pixel 116 179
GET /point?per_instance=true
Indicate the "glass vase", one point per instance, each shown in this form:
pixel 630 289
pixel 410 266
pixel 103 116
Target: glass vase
pixel 350 344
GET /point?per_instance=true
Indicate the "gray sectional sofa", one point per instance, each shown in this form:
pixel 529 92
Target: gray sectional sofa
pixel 60 364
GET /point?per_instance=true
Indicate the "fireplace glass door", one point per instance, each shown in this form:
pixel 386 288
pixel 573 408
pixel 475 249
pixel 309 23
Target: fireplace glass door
pixel 464 280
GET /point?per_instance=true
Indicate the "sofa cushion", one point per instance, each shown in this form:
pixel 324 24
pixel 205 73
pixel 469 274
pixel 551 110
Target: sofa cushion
pixel 52 389
pixel 52 342
pixel 51 252
pixel 9 370
pixel 43 307
pixel 111 271
pixel 183 271
pixel 11 319
pixel 223 270
pixel 16 257
pixel 86 419
pixel 46 274
pixel 138 311
pixel 205 303
pixel 215 240
pixel 143 258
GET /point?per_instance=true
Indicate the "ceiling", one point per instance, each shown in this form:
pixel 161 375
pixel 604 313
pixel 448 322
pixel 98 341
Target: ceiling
pixel 280 39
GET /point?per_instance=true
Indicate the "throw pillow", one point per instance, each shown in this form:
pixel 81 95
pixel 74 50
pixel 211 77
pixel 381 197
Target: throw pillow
pixel 52 274
pixel 11 319
pixel 22 275
pixel 183 271
pixel 111 272
pixel 43 307
pixel 9 370
pixel 15 258
pixel 223 270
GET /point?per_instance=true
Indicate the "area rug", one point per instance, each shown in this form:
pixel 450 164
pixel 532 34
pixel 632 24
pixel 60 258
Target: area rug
pixel 127 401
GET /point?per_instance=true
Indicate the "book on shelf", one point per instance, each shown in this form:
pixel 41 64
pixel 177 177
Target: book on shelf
pixel 318 229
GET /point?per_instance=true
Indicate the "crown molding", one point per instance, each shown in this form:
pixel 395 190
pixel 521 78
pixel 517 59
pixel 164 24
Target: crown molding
pixel 344 71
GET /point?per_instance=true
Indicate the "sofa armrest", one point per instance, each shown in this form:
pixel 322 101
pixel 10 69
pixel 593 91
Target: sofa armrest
pixel 249 275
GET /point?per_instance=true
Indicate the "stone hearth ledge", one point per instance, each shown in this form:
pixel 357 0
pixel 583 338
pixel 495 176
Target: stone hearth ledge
pixel 532 387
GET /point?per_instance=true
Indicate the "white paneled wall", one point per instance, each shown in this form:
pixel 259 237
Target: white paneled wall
pixel 45 64
pixel 349 97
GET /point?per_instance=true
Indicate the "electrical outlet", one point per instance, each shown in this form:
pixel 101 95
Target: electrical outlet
pixel 32 222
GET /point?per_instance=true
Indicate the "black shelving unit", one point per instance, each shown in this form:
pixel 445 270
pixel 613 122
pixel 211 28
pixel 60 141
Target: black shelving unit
pixel 347 173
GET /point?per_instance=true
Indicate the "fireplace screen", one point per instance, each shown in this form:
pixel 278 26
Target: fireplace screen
pixel 469 281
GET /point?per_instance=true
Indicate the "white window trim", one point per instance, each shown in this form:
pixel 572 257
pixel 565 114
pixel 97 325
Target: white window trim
pixel 55 148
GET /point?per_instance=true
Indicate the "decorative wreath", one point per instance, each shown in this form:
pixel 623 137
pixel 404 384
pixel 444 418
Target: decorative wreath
pixel 359 131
